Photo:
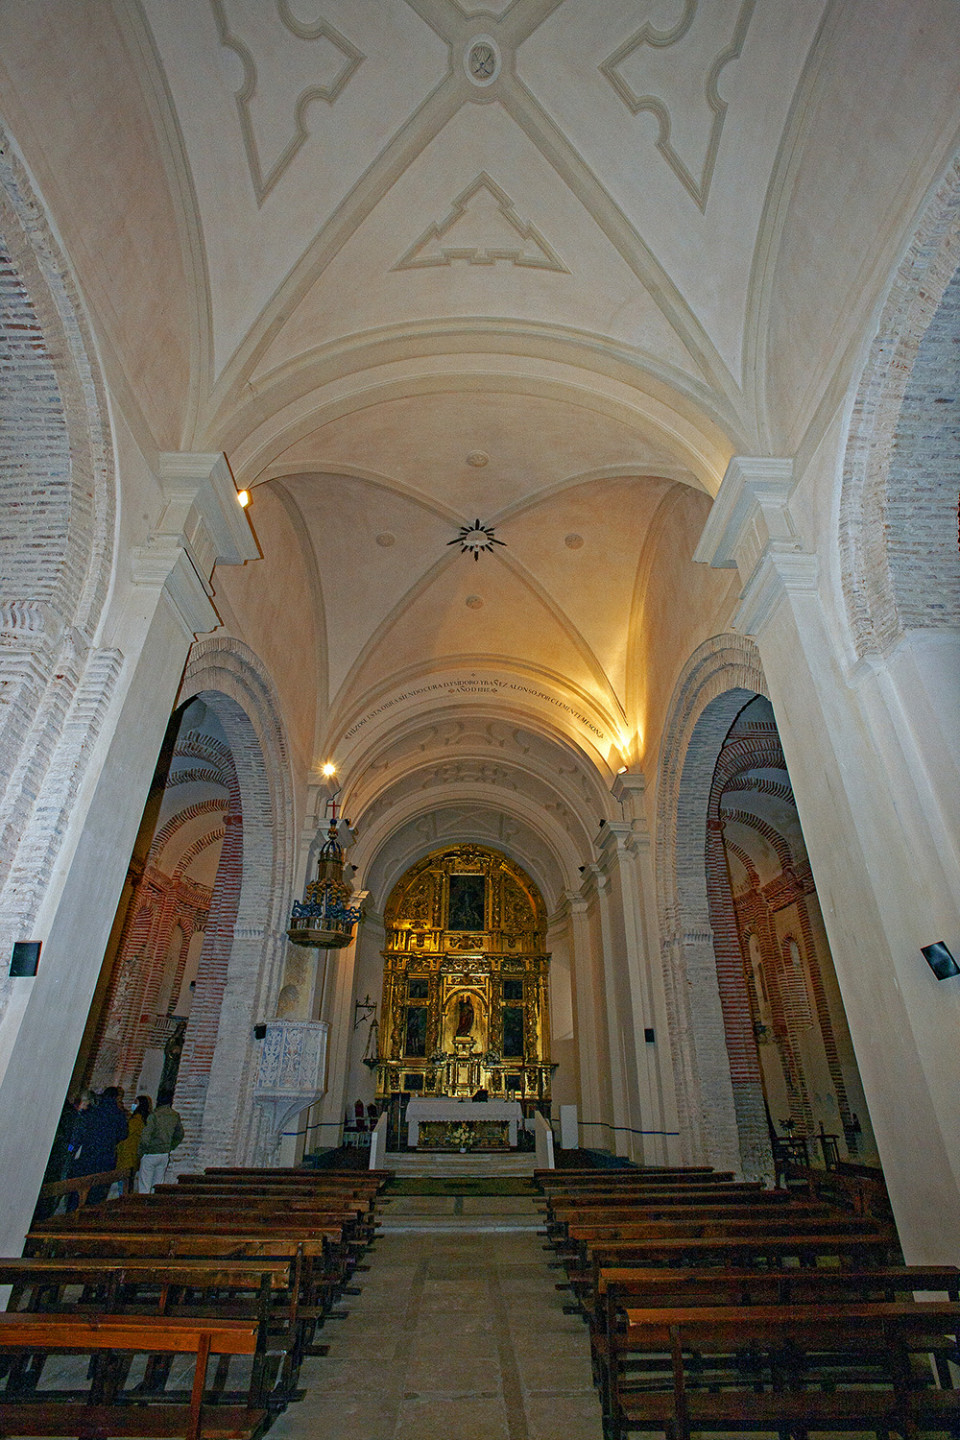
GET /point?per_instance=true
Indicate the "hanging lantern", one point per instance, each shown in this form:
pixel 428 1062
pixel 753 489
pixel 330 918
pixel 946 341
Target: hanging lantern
pixel 324 918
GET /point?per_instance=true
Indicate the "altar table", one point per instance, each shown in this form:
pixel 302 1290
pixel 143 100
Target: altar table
pixel 462 1111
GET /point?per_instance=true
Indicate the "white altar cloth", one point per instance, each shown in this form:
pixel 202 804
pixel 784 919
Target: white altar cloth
pixel 457 1110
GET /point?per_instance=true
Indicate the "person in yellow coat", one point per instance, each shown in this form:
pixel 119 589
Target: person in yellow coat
pixel 128 1157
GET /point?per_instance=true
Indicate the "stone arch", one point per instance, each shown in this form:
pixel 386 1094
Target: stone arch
pixel 893 472
pixel 721 676
pixel 245 944
pixel 57 491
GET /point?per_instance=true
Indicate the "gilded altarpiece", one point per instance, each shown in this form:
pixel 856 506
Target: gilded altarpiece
pixel 465 985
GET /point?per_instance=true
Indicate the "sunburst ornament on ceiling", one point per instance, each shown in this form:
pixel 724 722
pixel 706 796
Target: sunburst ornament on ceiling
pixel 474 538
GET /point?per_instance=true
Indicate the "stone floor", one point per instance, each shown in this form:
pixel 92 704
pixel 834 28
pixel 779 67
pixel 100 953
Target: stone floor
pixel 458 1334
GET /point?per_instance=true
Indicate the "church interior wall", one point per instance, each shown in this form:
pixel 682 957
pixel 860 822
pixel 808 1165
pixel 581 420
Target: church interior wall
pixel 847 618
pixel 271 608
pixel 677 610
pixel 73 89
pixel 827 258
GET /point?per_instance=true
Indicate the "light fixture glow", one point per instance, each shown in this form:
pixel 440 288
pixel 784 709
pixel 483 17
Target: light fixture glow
pixel 329 769
pixel 622 770
pixel 244 498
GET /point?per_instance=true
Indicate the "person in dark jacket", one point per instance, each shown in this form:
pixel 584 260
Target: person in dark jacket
pixel 58 1166
pixel 98 1132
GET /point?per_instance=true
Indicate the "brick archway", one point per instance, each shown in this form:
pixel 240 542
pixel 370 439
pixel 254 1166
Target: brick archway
pixel 58 502
pixel 719 1105
pixel 245 944
pixel 898 499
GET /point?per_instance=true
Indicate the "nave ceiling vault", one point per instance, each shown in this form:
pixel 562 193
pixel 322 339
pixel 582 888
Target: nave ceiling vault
pixel 425 263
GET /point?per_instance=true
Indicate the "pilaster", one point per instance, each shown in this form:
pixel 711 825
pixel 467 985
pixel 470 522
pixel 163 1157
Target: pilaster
pixel 154 618
pixel 884 884
pixel 202 524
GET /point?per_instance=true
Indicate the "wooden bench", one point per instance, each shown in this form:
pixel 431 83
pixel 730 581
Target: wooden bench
pixel 323 1277
pixel 572 1180
pixel 583 1239
pixel 745 1194
pixel 786 1368
pixel 620 1172
pixel 275 1293
pixel 81 1185
pixel 559 1222
pixel 107 1412
pixel 663 1287
pixel 726 1252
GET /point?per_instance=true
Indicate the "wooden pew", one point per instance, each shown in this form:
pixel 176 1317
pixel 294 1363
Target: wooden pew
pixel 772 1252
pixel 784 1368
pixel 582 1240
pixel 270 1291
pixel 81 1185
pixel 107 1412
pixel 664 1287
pixel 324 1274
pixel 560 1220
pixel 380 1177
pixel 548 1180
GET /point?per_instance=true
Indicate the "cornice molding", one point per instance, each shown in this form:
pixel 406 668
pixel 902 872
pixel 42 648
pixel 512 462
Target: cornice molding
pixel 780 572
pixel 202 525
pixel 749 511
pixel 750 528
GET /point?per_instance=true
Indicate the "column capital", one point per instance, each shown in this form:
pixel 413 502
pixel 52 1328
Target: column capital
pixel 749 512
pixel 782 570
pixel 203 510
pixel 202 524
pixel 629 789
pixel 750 528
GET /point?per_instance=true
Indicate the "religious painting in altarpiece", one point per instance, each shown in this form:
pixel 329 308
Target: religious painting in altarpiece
pixel 465 983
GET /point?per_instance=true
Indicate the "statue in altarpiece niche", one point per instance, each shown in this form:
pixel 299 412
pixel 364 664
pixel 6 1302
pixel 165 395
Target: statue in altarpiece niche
pixel 465 1017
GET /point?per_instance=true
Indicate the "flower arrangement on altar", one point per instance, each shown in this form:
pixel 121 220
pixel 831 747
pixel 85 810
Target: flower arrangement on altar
pixel 462 1135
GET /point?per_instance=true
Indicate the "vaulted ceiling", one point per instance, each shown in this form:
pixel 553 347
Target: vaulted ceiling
pixel 537 265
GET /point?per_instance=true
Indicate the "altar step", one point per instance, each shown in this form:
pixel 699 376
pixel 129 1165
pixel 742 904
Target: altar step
pixel 412 1163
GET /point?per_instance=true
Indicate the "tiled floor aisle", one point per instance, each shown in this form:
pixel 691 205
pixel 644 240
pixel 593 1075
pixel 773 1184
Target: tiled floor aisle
pixel 459 1334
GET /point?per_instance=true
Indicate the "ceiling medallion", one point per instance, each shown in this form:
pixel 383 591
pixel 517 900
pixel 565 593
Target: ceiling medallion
pixel 386 540
pixel 474 538
pixel 481 60
pixel 475 602
pixel 478 458
pixel 573 541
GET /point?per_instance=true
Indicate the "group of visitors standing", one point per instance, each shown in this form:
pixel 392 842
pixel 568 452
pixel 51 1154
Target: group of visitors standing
pixel 96 1135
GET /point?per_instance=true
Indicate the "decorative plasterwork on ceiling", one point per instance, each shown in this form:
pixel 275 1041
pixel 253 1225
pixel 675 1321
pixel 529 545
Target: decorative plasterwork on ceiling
pixel 281 40
pixel 629 70
pixel 482 233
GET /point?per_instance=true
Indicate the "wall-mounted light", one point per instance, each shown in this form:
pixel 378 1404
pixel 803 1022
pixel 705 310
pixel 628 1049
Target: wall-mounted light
pixel 25 958
pixel 243 498
pixel 940 960
pixel 328 769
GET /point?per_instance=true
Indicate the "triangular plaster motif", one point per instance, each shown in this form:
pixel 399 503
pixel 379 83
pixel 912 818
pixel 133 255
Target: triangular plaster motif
pixel 481 228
